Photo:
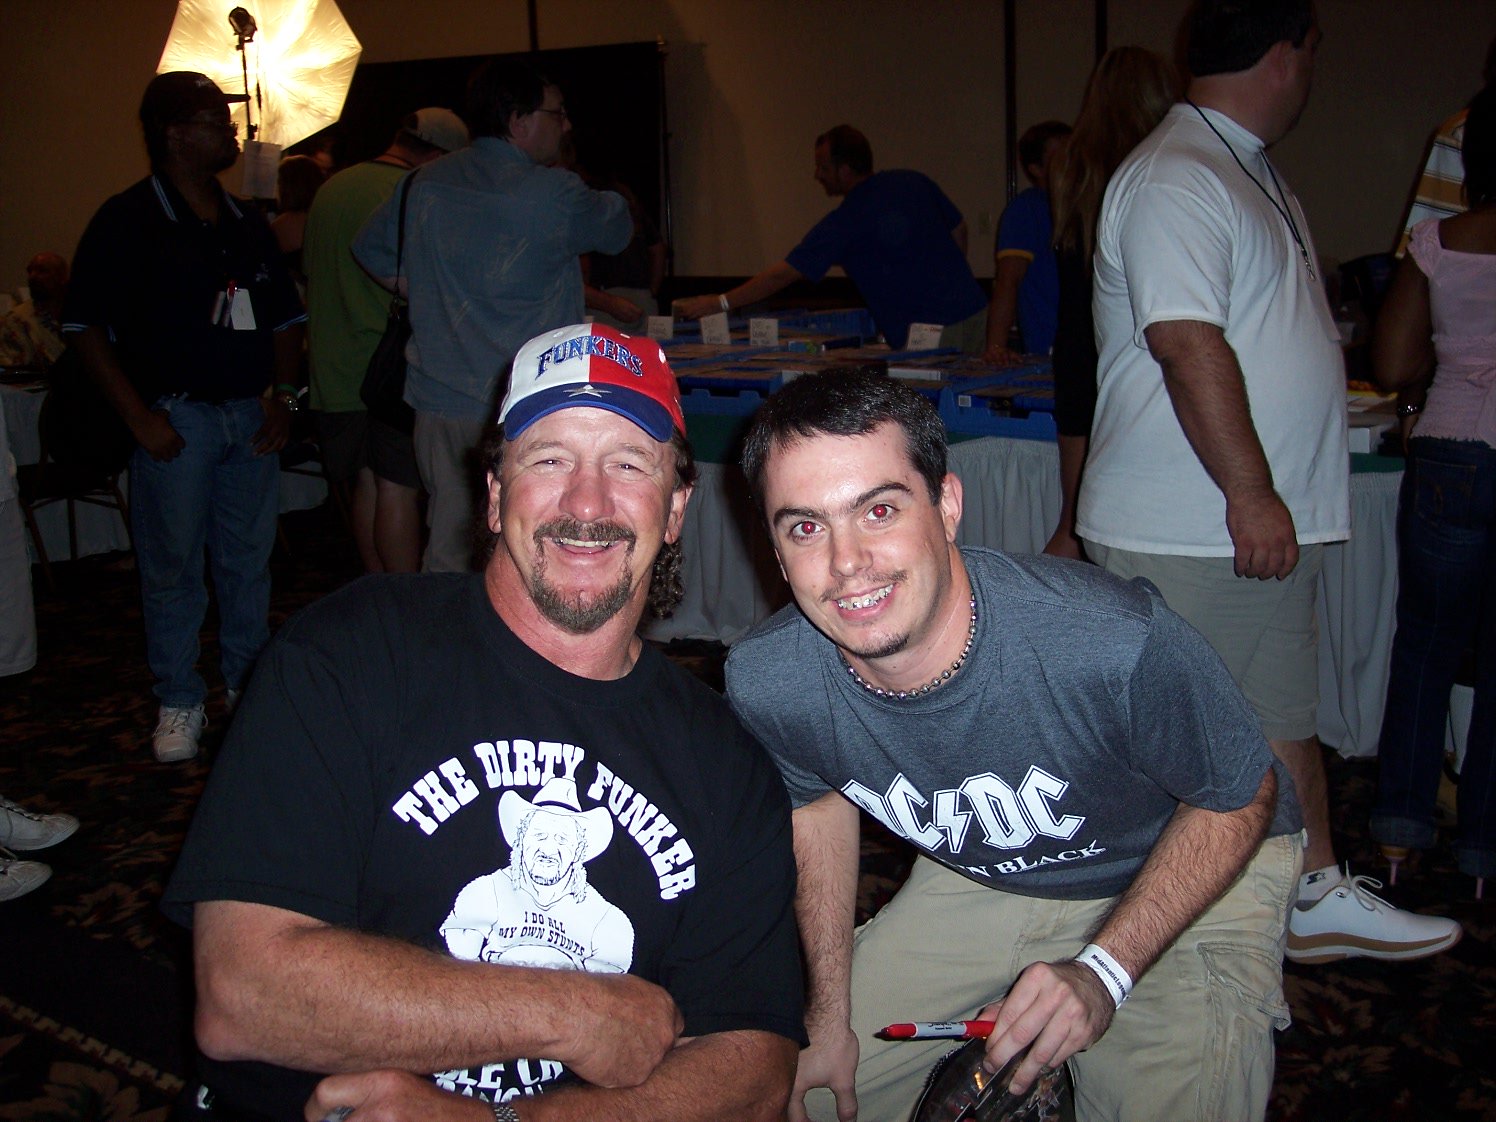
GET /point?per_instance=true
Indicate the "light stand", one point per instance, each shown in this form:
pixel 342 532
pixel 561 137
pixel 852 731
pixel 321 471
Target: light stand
pixel 244 30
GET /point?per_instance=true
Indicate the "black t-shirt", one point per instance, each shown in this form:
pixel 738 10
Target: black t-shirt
pixel 156 276
pixel 403 764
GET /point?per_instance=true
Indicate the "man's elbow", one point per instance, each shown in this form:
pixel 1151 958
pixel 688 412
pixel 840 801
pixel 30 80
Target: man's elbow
pixel 778 1061
pixel 221 1022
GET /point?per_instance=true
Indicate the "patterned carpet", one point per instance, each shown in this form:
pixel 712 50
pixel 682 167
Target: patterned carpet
pixel 95 988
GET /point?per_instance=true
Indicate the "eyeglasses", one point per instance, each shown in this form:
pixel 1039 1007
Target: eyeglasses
pixel 559 114
pixel 214 123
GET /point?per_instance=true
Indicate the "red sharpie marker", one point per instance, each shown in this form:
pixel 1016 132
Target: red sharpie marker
pixel 939 1030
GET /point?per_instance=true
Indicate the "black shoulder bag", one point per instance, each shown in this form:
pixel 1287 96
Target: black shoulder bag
pixel 383 390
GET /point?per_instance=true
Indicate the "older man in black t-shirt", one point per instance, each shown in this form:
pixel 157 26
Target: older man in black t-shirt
pixel 470 825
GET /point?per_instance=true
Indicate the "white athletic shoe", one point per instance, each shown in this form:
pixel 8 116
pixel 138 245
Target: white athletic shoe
pixel 1350 922
pixel 24 829
pixel 19 877
pixel 177 733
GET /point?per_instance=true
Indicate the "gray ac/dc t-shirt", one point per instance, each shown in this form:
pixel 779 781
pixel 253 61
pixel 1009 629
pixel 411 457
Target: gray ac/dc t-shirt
pixel 1086 713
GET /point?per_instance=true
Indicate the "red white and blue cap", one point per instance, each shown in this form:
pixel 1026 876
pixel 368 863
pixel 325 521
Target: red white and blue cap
pixel 591 364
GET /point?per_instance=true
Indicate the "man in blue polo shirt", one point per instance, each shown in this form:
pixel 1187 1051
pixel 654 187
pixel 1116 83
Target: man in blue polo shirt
pixel 182 313
pixel 897 235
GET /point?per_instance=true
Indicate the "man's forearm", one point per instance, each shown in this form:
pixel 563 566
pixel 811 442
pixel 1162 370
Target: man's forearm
pixel 287 351
pixel 1002 308
pixel 1195 859
pixel 737 1075
pixel 288 990
pixel 1209 395
pixel 827 842
pixel 764 285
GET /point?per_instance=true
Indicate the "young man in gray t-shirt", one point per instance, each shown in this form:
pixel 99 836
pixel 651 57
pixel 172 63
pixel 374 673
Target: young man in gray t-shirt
pixel 1090 791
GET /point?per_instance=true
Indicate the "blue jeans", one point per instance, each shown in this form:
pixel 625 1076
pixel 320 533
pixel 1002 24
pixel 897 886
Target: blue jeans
pixel 217 496
pixel 1446 601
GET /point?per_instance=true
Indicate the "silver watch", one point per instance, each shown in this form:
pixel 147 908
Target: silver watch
pixel 503 1112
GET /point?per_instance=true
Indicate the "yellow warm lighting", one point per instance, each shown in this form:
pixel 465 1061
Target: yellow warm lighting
pixel 303 57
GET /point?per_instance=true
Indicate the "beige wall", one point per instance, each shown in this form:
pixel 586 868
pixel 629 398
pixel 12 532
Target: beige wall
pixel 751 83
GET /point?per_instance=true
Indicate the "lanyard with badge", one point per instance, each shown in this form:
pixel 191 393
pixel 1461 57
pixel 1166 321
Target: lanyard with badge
pixel 232 308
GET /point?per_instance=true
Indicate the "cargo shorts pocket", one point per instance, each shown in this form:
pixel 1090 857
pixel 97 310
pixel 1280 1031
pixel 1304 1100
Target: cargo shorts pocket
pixel 1245 1003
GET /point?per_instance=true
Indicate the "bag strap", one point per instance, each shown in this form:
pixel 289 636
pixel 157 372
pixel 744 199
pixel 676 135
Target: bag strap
pixel 400 226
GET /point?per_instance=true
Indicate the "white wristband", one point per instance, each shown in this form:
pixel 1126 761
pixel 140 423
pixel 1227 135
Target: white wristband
pixel 1109 970
pixel 726 307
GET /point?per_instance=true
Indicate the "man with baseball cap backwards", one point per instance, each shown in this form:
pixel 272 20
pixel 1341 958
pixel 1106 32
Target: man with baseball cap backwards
pixel 405 829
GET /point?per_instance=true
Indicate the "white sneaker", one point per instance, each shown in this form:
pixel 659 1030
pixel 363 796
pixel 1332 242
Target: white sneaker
pixel 1348 922
pixel 177 733
pixel 19 877
pixel 24 829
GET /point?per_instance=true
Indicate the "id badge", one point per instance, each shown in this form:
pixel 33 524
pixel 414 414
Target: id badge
pixel 233 309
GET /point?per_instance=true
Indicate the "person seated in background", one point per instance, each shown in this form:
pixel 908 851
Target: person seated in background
pixel 1025 284
pixel 897 235
pixel 31 335
pixel 1439 319
pixel 471 824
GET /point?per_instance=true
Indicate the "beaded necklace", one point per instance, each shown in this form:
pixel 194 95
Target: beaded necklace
pixel 945 675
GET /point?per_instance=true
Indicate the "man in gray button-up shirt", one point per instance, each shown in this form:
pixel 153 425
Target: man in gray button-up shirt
pixel 492 236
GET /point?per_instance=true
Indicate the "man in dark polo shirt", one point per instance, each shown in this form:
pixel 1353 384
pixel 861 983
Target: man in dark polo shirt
pixel 182 313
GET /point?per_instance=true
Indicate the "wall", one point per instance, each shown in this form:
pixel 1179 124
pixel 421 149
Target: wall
pixel 751 83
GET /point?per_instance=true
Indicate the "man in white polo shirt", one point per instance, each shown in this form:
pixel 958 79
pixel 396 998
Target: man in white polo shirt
pixel 1218 466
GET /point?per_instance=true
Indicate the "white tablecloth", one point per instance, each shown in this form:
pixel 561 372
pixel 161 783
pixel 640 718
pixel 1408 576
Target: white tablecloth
pixel 1012 502
pixel 100 529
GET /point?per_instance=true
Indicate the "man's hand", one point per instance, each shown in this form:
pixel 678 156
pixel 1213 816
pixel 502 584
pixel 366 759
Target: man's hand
pixel 1061 1007
pixel 621 308
pixel 830 1061
pixel 157 436
pixel 393 1096
pixel 623 1029
pixel 1262 530
pixel 694 307
pixel 273 434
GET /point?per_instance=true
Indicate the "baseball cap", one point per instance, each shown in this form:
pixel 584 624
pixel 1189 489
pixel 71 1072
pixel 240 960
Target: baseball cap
pixel 173 97
pixel 441 128
pixel 594 365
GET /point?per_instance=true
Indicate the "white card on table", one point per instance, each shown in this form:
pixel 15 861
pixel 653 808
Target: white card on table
pixel 763 331
pixel 923 337
pixel 714 328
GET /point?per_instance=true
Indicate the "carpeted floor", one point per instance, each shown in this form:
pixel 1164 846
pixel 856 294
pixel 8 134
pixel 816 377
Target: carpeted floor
pixel 95 988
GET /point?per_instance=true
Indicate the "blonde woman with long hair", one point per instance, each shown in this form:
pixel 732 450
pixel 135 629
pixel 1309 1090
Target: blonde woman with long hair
pixel 1128 94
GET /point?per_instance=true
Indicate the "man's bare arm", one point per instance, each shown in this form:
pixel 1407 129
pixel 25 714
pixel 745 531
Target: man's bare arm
pixel 1205 385
pixel 827 840
pixel 751 291
pixel 736 1075
pixel 1062 1006
pixel 1002 309
pixel 285 989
